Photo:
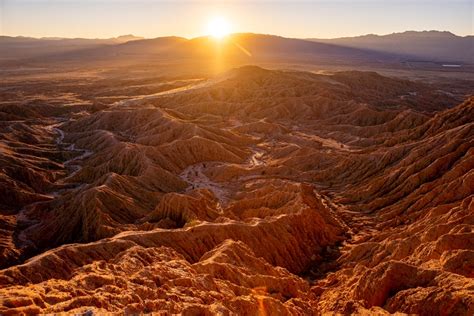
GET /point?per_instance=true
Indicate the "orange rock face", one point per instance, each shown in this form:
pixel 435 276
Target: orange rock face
pixel 257 192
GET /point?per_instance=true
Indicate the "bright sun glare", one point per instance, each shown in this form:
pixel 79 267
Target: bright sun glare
pixel 218 27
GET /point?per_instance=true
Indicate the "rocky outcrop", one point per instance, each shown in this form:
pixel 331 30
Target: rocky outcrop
pixel 241 262
pixel 140 280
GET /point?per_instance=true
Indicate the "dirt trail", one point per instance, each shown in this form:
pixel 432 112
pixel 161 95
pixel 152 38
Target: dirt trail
pixel 195 176
pixel 71 164
pixel 197 179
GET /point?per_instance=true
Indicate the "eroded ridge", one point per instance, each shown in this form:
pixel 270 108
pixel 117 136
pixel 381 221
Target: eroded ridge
pixel 265 191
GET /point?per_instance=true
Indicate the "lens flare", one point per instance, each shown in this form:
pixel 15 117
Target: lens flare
pixel 218 27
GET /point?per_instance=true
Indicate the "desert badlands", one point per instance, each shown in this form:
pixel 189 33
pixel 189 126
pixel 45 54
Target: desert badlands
pixel 253 192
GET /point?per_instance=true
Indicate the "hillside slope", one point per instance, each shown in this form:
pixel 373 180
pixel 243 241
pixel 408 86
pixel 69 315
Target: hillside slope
pixel 264 191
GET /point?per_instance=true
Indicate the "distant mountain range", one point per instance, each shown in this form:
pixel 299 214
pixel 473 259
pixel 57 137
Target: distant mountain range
pixel 431 46
pixel 423 46
pixel 59 40
pixel 20 47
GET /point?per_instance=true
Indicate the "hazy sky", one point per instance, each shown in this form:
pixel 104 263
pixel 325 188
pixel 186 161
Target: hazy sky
pixel 152 18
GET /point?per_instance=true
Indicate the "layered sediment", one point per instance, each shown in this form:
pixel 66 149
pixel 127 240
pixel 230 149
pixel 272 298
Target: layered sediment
pixel 264 192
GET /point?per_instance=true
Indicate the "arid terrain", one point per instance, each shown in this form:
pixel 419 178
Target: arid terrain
pixel 254 191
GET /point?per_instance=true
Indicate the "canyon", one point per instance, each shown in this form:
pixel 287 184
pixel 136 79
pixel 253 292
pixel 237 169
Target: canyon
pixel 255 191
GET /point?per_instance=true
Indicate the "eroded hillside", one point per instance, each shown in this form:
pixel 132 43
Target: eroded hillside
pixel 258 191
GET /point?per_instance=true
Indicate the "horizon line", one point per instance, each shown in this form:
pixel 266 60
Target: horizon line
pixel 139 37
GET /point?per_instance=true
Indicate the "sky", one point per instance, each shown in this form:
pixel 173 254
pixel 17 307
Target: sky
pixel 299 19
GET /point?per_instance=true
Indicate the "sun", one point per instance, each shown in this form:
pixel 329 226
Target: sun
pixel 218 27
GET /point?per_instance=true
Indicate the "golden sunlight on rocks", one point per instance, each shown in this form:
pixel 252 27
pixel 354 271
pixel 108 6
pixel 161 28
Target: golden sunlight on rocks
pixel 259 192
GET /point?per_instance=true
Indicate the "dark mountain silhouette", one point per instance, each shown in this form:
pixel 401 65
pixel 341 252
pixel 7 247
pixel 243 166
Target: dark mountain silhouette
pixel 238 47
pixel 427 45
pixel 432 46
pixel 20 47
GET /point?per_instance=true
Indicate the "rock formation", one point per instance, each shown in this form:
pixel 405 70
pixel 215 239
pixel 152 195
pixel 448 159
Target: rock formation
pixel 257 192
